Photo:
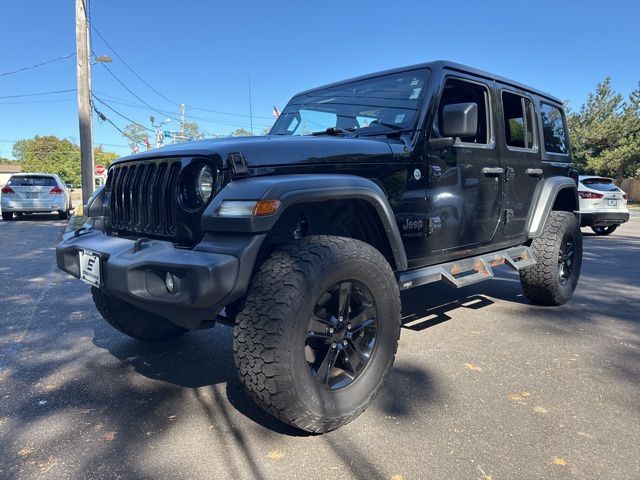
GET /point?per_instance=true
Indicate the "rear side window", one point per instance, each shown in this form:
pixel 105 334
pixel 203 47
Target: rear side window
pixel 32 181
pixel 602 184
pixel 518 121
pixel 553 130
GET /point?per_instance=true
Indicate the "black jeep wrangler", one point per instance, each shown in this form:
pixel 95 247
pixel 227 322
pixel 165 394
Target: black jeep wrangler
pixel 303 239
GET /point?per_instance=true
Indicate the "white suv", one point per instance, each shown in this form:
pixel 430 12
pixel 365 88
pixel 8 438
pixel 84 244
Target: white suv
pixel 35 193
pixel 602 204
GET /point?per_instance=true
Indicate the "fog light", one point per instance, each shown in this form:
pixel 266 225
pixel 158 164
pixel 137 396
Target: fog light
pixel 168 280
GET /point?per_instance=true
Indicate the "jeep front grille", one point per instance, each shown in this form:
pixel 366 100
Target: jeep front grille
pixel 144 197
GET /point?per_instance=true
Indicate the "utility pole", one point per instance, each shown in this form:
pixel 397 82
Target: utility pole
pixel 182 107
pixel 84 99
pixel 250 107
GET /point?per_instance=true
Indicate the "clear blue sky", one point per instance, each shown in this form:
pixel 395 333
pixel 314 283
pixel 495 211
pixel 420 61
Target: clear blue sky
pixel 201 53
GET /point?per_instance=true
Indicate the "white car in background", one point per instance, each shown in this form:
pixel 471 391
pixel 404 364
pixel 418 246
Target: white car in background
pixel 603 205
pixel 34 193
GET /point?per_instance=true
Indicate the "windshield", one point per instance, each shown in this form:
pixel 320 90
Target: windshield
pixel 32 181
pixel 389 103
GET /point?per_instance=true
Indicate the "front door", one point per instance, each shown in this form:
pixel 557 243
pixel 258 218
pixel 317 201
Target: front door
pixel 464 190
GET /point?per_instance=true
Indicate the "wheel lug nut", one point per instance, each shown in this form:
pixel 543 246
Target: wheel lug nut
pixel 349 326
pixel 333 345
pixel 331 330
pixel 344 342
pixel 341 319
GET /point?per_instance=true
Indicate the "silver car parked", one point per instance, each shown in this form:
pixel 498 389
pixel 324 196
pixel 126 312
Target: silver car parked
pixel 35 193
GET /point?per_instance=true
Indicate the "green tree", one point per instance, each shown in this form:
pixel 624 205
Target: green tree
pixel 241 132
pixel 136 134
pixel 605 133
pixel 192 131
pixel 50 154
pixel 101 157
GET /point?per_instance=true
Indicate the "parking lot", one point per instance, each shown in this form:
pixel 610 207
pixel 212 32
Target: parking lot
pixel 485 385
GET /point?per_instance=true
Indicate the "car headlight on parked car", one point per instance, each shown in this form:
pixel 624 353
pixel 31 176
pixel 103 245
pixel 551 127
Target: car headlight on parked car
pixel 204 183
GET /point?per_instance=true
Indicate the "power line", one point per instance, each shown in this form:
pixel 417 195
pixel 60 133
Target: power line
pixel 189 117
pixel 220 112
pixel 104 118
pixel 37 65
pixel 39 93
pixel 120 114
pixel 129 90
pixel 129 66
pixel 39 101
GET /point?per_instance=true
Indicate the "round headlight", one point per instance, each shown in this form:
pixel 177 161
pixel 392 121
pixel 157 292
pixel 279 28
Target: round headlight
pixel 204 183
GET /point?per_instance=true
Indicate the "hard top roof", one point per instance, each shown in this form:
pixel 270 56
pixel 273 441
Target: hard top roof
pixel 438 64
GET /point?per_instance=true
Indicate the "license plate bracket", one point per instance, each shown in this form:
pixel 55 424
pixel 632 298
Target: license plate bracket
pixel 612 202
pixel 90 268
pixel 32 195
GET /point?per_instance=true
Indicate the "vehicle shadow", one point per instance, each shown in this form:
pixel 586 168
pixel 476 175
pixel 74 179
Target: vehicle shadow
pixel 202 360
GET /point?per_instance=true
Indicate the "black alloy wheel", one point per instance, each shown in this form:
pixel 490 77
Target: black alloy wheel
pixel 565 260
pixel 342 334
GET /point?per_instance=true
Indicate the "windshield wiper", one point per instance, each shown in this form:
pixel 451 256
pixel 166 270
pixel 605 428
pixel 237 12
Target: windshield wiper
pixel 334 131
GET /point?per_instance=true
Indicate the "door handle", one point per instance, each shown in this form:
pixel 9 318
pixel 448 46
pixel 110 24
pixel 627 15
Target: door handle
pixel 490 171
pixel 533 172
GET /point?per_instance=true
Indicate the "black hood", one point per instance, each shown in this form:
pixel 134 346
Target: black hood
pixel 284 150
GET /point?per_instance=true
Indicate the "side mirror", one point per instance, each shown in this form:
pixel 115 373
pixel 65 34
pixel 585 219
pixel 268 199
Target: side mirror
pixel 459 120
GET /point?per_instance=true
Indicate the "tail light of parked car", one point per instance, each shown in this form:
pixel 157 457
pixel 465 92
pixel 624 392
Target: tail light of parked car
pixel 624 195
pixel 590 195
pixel 7 190
pixel 56 191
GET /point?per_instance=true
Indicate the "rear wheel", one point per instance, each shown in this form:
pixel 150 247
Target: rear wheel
pixel 134 321
pixel 7 216
pixel 552 280
pixel 608 230
pixel 63 215
pixel 318 331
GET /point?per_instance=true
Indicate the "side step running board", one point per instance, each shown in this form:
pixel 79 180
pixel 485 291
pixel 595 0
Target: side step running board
pixel 469 270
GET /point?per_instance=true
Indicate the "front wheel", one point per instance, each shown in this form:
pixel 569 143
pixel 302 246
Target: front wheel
pixel 553 279
pixel 318 331
pixel 608 230
pixel 7 216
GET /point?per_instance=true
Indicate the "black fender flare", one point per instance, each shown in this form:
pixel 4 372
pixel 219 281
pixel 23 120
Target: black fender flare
pixel 544 197
pixel 295 189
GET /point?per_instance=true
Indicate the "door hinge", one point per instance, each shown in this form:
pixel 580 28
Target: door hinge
pixel 509 173
pixel 237 165
pixel 432 224
pixel 508 215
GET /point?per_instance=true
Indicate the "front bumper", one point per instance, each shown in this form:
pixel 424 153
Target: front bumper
pixel 603 219
pixel 205 279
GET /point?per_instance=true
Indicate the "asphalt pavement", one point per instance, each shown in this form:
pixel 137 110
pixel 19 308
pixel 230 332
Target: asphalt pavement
pixel 485 385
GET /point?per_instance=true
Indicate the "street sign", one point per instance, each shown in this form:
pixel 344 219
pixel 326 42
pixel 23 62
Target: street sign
pixel 99 169
pixel 167 134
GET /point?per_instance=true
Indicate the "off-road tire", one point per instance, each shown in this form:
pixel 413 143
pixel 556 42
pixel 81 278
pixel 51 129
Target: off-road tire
pixel 133 321
pixel 7 216
pixel 270 330
pixel 608 230
pixel 541 282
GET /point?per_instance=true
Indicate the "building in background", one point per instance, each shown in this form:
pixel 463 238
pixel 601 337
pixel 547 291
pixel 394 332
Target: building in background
pixel 6 170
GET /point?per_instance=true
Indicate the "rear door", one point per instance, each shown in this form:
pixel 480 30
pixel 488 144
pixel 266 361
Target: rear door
pixel 520 153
